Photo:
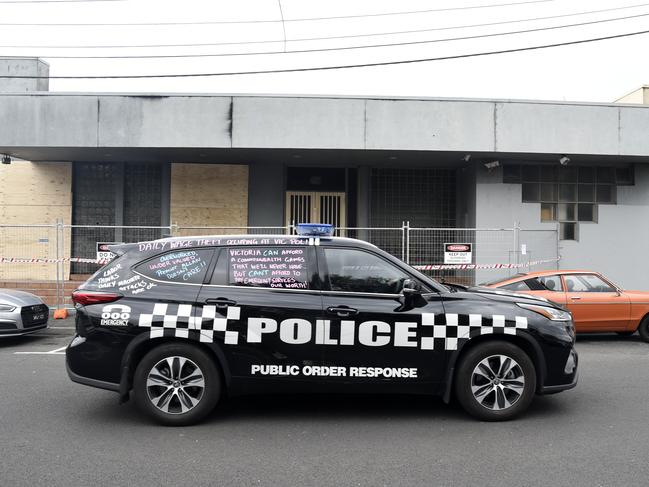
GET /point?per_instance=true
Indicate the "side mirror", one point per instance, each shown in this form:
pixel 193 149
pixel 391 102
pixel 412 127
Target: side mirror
pixel 411 288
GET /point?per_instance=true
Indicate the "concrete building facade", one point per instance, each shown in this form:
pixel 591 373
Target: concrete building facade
pixel 240 160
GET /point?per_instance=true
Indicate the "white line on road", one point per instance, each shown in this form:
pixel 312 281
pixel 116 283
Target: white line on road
pixel 39 353
pixel 58 351
pixel 61 327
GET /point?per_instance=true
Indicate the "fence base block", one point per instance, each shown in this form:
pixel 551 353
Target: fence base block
pixel 60 314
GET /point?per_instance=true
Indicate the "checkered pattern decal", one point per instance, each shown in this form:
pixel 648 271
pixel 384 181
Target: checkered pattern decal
pixel 438 332
pixel 176 320
pixel 451 330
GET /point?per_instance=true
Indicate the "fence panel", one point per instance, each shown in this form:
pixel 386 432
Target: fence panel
pixel 541 249
pixel 185 231
pixel 28 242
pixel 489 246
pixel 392 240
pixel 82 240
pixel 496 253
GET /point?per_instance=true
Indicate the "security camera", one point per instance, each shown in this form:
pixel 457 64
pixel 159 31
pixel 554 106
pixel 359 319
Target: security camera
pixel 6 159
pixel 492 164
pixel 564 160
pixel 466 157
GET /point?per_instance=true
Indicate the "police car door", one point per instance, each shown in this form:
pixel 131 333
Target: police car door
pixel 373 330
pixel 265 301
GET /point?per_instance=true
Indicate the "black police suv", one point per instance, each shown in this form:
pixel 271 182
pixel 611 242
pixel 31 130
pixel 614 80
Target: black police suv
pixel 180 322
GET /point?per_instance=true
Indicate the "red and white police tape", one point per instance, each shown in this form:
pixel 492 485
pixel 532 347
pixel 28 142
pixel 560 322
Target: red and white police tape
pixel 42 260
pixel 444 267
pixel 424 267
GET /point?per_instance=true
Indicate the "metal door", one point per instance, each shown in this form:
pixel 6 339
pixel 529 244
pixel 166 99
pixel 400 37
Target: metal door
pixel 316 207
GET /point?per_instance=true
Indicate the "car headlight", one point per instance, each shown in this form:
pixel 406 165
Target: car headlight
pixel 553 314
pixel 7 307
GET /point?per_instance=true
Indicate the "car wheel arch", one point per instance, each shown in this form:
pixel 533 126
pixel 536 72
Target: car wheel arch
pixel 644 333
pixel 640 321
pixel 142 344
pixel 521 340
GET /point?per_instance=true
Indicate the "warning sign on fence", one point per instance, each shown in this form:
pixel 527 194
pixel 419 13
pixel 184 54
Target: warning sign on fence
pixel 103 254
pixel 457 253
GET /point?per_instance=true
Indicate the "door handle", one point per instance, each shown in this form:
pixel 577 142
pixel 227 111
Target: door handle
pixel 220 302
pixel 575 297
pixel 342 311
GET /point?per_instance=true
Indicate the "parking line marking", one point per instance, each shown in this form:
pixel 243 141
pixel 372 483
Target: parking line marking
pixel 58 351
pixel 61 327
pixel 39 353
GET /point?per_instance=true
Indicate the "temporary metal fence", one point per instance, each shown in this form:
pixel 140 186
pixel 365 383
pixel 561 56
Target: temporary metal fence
pixel 495 252
pixel 48 256
pixel 83 240
pixel 185 231
pixel 34 241
pixel 488 246
pixel 392 240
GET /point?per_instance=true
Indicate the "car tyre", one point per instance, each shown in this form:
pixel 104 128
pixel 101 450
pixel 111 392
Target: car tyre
pixel 495 381
pixel 177 384
pixel 643 329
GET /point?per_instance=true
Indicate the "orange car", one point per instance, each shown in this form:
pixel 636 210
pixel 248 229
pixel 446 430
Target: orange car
pixel 597 305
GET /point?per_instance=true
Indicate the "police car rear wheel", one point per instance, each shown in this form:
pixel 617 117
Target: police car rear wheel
pixel 177 384
pixel 495 381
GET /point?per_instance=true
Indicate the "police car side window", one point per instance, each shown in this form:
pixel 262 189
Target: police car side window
pixel 271 267
pixel 184 266
pixel 357 271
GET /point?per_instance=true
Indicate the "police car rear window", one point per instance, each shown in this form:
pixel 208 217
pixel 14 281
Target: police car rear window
pixel 184 266
pixel 273 267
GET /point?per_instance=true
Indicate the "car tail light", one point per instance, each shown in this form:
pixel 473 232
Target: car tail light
pixel 85 298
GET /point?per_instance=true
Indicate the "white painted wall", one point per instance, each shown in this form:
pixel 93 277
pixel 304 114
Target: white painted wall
pixel 616 246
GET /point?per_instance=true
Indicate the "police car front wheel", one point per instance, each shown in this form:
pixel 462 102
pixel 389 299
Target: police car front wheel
pixel 176 384
pixel 495 381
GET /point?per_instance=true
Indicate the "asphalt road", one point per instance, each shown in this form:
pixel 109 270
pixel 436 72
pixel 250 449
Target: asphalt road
pixel 57 433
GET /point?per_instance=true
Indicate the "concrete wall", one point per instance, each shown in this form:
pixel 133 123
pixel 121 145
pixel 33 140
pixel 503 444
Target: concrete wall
pixel 173 121
pixel 19 66
pixel 298 123
pixel 163 121
pixel 618 243
pixel 209 195
pixel 607 246
pixel 33 193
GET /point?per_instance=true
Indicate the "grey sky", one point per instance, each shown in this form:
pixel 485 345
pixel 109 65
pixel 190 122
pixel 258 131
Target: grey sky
pixel 601 71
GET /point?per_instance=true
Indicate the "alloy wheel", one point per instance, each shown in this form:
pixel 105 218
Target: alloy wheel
pixel 497 382
pixel 175 385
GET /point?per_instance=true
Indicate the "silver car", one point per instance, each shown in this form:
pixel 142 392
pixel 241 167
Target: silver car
pixel 21 313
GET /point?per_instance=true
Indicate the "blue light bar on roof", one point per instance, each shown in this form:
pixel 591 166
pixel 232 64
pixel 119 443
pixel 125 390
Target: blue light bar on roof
pixel 314 229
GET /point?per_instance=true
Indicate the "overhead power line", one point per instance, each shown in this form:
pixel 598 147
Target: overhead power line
pixel 341 66
pixel 29 2
pixel 300 39
pixel 366 46
pixel 269 21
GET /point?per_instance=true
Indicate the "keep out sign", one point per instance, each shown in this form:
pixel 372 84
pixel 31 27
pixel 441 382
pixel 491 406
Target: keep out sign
pixel 457 253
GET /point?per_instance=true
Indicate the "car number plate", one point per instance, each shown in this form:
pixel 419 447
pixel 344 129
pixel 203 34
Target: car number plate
pixel 38 316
